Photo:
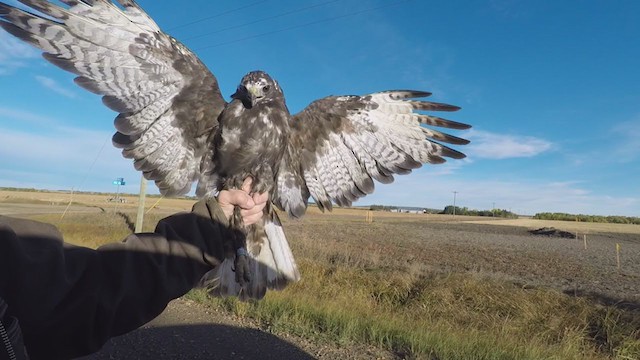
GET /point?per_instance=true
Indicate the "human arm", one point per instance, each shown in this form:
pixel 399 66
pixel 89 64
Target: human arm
pixel 70 300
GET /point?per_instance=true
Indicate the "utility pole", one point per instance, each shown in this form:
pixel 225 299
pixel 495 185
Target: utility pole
pixel 141 197
pixel 454 202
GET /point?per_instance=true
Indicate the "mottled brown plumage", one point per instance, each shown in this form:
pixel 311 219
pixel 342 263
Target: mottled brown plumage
pixel 175 125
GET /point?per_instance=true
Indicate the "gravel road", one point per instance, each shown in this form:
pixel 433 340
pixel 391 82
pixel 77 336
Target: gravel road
pixel 188 330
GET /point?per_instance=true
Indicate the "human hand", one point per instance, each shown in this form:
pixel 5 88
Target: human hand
pixel 251 205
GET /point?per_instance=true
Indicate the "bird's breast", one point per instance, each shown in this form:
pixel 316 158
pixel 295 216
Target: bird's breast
pixel 249 139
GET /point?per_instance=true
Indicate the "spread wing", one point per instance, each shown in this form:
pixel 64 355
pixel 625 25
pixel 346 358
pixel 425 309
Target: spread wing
pixel 167 99
pixel 339 145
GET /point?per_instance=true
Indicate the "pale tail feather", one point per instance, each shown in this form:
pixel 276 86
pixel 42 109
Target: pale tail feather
pixel 270 260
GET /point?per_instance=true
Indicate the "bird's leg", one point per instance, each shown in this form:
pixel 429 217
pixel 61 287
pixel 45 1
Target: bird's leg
pixel 241 265
pixel 241 231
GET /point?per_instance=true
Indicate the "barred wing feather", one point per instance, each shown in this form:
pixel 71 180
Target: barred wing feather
pixel 167 99
pixel 340 144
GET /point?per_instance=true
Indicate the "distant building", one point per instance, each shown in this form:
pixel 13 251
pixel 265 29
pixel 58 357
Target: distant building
pixel 409 211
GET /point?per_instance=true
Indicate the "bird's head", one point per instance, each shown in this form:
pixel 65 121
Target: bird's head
pixel 256 87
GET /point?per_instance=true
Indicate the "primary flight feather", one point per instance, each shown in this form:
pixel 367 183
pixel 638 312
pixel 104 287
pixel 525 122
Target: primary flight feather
pixel 178 129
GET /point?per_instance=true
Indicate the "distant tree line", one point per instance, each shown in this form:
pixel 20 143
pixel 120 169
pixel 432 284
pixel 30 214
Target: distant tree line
pixel 18 189
pixel 188 197
pixel 588 218
pixel 382 208
pixel 470 212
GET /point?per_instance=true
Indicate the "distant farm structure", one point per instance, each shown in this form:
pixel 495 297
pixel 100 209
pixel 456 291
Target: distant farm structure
pixel 448 210
pixel 404 209
pixel 409 211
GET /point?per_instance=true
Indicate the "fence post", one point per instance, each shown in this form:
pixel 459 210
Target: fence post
pixel 618 255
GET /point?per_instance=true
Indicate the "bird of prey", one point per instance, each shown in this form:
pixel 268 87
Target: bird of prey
pixel 178 129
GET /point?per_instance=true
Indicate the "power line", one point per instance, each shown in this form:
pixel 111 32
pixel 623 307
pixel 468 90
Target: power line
pixel 263 19
pixel 217 15
pixel 86 175
pixel 301 25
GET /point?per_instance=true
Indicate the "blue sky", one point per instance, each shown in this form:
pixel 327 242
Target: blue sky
pixel 552 89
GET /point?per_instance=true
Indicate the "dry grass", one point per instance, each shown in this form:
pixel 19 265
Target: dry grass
pixel 572 226
pixel 99 200
pixel 447 316
pixel 93 230
pixel 165 205
pixel 370 283
pixel 362 283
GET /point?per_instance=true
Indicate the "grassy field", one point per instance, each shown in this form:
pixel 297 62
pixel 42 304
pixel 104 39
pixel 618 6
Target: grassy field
pixel 94 200
pixel 397 285
pixel 571 226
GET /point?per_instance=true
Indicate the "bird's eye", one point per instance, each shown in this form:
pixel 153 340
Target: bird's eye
pixel 266 88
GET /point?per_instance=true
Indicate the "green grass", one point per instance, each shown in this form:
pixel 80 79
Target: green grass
pixel 354 292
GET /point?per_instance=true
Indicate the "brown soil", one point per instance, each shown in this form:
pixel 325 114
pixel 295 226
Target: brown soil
pixel 496 248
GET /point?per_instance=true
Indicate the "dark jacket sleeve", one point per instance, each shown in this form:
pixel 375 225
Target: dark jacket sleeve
pixel 70 300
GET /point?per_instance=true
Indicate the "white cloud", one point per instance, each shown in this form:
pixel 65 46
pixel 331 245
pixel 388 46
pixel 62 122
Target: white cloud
pixel 450 167
pixel 628 147
pixel 424 189
pixel 60 157
pixel 53 85
pixel 68 158
pixel 26 117
pixel 55 147
pixel 500 146
pixel 31 179
pixel 508 9
pixel 14 53
pixel 51 155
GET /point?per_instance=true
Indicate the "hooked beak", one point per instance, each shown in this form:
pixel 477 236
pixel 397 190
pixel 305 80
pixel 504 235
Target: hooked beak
pixel 253 93
pixel 249 95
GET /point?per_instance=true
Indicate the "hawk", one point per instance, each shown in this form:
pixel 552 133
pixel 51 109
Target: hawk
pixel 179 130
